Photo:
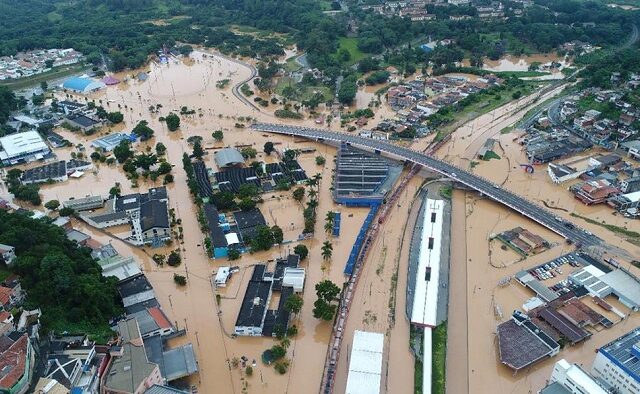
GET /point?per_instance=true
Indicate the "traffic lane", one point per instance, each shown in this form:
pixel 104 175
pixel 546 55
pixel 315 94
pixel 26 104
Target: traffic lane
pixel 518 203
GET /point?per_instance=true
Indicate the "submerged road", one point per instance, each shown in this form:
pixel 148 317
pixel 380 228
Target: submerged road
pixel 527 208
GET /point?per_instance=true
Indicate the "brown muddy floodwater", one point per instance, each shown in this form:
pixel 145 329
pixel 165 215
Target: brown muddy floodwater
pixel 192 84
pixel 476 266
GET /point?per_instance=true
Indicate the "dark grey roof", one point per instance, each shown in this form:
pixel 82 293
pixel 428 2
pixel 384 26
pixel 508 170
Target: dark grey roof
pixel 179 362
pixel 218 240
pixel 128 201
pixel 518 346
pixel 75 163
pixel 555 388
pixel 134 285
pixel 174 363
pixel 154 214
pixel 83 120
pixel 254 303
pixel 135 200
pixel 150 303
pixel 246 219
pixel 560 323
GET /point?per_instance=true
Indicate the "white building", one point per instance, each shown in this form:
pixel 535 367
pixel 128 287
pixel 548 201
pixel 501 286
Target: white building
pixel 294 277
pixel 572 379
pixel 22 148
pixel 618 363
pixel 365 366
pixel 8 253
pixel 425 299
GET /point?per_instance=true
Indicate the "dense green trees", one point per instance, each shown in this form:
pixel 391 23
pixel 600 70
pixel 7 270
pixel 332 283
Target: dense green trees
pixel 123 151
pixel 60 277
pixel 143 130
pixel 217 135
pixel 348 90
pixel 324 307
pixel 30 193
pixel 8 103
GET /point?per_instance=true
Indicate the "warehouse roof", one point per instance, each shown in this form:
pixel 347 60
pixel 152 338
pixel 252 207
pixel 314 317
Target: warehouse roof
pixel 20 143
pixel 228 157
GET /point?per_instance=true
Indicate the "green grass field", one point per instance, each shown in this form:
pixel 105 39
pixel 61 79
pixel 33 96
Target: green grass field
pixel 303 92
pixel 291 65
pixel 439 356
pixel 483 106
pixel 351 45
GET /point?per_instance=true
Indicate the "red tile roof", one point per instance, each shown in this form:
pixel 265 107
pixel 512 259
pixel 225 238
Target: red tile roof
pixel 5 294
pixel 14 360
pixel 159 317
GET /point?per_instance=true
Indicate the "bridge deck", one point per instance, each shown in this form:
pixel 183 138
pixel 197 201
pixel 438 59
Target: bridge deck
pixel 525 207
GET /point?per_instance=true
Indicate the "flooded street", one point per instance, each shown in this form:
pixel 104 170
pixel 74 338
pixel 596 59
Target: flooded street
pixel 380 296
pixel 477 305
pixel 192 84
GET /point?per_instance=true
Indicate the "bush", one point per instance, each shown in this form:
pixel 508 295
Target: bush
pixel 249 370
pixel 287 113
pixel 234 254
pixel 302 251
pixel 180 280
pixel 320 160
pixel 281 366
pixel 52 205
pixel 174 259
pixel 173 121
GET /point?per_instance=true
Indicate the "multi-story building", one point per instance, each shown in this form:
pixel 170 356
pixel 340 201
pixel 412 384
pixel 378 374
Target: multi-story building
pixel 618 363
pixel 570 378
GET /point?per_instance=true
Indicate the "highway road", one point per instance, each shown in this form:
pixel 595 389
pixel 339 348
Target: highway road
pixel 527 208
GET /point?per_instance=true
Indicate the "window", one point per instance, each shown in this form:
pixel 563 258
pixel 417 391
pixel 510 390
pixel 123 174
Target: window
pixel 433 217
pixel 430 242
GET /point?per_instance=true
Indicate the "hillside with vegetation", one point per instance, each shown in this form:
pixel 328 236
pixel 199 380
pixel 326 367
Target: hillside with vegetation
pixel 126 32
pixel 60 277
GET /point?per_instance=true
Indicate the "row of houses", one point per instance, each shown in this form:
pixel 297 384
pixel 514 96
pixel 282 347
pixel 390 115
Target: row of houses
pixel 25 64
pixel 416 100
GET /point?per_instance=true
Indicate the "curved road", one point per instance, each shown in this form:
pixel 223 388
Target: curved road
pixel 527 208
pixel 236 88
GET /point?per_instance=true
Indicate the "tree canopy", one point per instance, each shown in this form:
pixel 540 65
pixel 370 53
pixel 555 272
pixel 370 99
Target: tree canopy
pixel 59 277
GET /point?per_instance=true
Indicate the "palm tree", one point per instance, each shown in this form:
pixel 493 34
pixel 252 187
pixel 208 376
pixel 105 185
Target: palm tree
pixel 313 204
pixel 327 250
pixel 285 342
pixel 328 227
pixel 311 182
pixel 312 194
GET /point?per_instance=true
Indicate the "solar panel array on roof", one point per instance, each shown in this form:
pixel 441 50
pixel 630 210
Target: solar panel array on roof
pixel 231 179
pixel 202 178
pixel 625 352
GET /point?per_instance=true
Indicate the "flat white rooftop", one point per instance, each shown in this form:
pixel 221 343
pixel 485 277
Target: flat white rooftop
pixel 18 144
pixel 365 366
pixel 425 301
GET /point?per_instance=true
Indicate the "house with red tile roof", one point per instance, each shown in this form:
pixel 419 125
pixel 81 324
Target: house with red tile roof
pixel 16 365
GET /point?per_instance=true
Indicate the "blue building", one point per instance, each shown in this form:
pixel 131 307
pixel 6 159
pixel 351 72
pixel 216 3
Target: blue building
pixel 82 85
pixel 618 363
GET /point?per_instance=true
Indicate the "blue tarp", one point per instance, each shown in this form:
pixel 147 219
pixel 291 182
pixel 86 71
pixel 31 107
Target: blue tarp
pixel 336 224
pixel 357 245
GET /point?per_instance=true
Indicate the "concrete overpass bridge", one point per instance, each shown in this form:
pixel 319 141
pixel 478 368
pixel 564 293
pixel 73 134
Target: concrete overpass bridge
pixel 519 204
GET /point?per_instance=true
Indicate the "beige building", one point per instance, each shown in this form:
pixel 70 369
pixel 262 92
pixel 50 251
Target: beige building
pixel 129 370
